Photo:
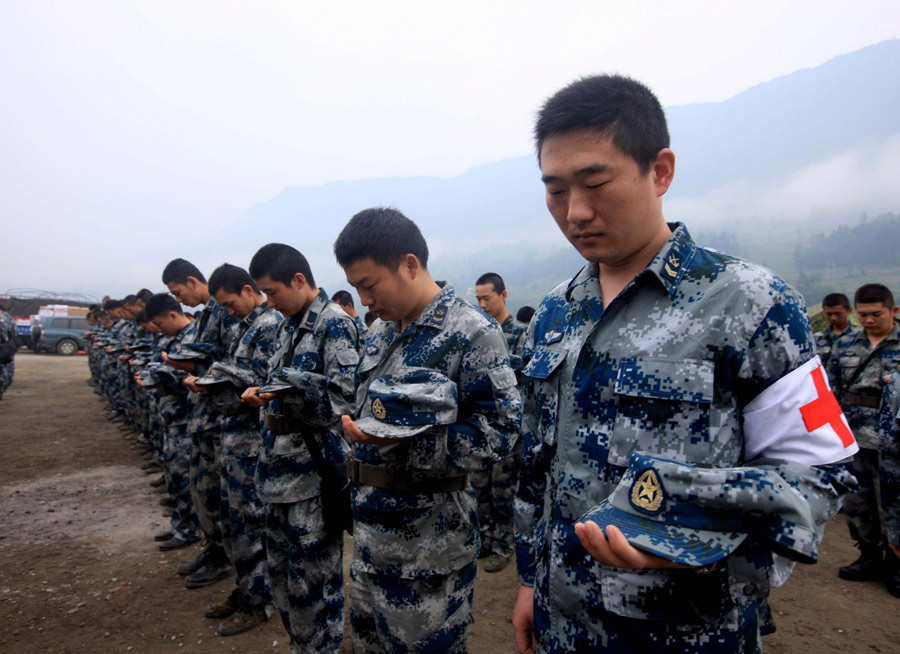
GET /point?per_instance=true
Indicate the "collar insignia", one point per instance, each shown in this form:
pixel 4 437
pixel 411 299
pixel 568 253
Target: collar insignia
pixel 647 493
pixel 671 265
pixel 552 337
pixel 371 349
pixel 378 409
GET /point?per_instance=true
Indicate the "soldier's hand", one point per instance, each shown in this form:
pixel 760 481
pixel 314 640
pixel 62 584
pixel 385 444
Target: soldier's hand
pixel 614 550
pixel 187 366
pixel 523 618
pixel 895 549
pixel 250 397
pixel 356 434
pixel 191 382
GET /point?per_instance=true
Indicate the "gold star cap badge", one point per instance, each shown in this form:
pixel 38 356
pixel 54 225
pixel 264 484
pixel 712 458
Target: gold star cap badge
pixel 647 493
pixel 378 409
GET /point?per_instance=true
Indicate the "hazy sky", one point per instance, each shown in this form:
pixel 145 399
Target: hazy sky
pixel 129 125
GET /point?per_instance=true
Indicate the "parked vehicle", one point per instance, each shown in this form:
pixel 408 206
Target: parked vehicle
pixel 64 335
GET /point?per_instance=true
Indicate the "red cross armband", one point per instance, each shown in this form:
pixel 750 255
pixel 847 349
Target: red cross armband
pixel 798 419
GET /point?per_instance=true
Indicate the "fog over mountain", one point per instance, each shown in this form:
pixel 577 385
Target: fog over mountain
pixel 812 149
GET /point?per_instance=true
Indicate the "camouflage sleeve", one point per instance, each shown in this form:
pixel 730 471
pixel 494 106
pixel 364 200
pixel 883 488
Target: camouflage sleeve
pixel 889 454
pixel 490 408
pixel 834 370
pixel 253 370
pixel 781 343
pixel 213 340
pixel 329 394
pixel 529 502
pixel 265 348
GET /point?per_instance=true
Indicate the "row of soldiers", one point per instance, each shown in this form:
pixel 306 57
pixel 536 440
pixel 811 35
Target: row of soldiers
pixel 681 450
pixel 862 363
pixel 240 408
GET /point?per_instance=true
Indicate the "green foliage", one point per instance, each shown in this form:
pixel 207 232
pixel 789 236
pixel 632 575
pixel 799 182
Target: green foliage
pixel 870 243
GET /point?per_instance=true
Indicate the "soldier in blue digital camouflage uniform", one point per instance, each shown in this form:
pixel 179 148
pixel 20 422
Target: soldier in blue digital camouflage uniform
pixel 345 301
pixel 836 307
pixel 889 478
pixel 206 342
pixel 310 384
pixel 246 364
pixel 665 347
pixel 415 524
pixel 857 368
pixel 495 486
pixel 8 343
pixel 110 349
pixel 172 408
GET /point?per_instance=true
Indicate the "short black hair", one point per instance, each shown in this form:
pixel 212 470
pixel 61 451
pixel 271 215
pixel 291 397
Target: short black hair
pixel 370 317
pixel 177 271
pixel 525 314
pixel 280 263
pixel 111 304
pixel 231 279
pixel 381 234
pixel 494 280
pixel 144 294
pixel 142 316
pixel 836 300
pixel 874 294
pixel 343 298
pixel 129 299
pixel 610 104
pixel 161 304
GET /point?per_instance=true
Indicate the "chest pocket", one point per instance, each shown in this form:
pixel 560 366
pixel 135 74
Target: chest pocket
pixel 542 374
pixel 663 406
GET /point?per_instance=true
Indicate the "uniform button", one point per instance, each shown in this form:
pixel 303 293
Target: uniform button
pixel 749 589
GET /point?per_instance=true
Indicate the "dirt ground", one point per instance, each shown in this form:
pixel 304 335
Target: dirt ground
pixel 79 572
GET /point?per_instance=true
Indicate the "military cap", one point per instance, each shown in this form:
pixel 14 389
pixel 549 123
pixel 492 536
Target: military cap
pixel 408 403
pixel 219 373
pixel 696 515
pixel 184 354
pixel 275 387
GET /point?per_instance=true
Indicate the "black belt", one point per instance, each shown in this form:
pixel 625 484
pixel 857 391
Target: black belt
pixel 869 401
pixel 280 424
pixel 398 479
pixel 242 410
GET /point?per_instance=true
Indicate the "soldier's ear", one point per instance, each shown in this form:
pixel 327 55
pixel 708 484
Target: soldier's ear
pixel 298 281
pixel 412 264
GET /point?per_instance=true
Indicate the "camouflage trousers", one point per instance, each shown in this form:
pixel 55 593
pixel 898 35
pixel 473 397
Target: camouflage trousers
pixel 392 614
pixel 207 484
pixel 590 628
pixel 306 576
pixel 125 384
pixel 244 530
pixel 495 491
pixel 6 375
pixel 111 388
pixel 176 469
pixel 863 509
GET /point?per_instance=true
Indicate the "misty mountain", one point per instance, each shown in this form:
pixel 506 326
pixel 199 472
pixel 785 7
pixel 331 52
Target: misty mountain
pixel 771 152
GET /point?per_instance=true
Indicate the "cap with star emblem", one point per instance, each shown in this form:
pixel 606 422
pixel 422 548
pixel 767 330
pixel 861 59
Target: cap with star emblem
pixel 697 515
pixel 408 403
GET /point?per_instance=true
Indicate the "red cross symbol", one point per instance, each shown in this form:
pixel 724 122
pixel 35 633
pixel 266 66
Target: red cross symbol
pixel 825 410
